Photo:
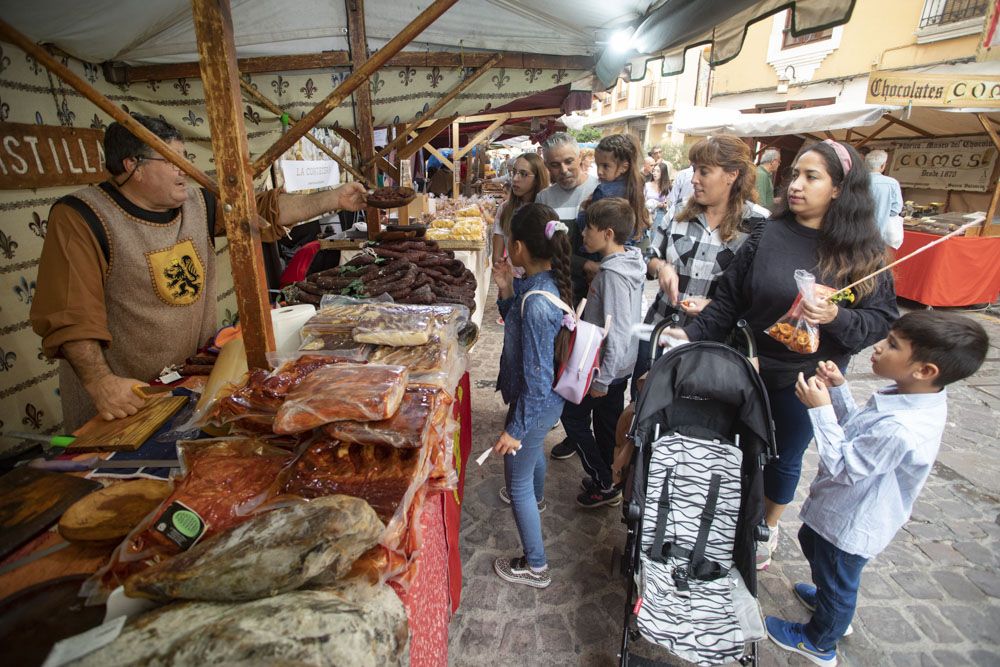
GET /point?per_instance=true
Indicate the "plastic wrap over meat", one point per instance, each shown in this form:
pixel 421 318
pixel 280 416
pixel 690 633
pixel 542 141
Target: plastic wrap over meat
pixel 421 409
pixel 254 403
pixel 222 482
pixel 341 343
pixel 342 392
pixel 394 325
pixel 387 477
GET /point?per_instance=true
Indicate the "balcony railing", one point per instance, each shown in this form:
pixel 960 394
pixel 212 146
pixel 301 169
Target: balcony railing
pixel 943 12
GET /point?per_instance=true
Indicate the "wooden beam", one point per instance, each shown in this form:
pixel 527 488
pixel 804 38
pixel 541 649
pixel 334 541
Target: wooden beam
pixel 995 199
pixel 43 57
pixel 330 59
pixel 433 110
pixel 213 23
pixel 355 142
pixel 829 135
pixel 363 123
pixel 908 126
pixel 877 132
pixel 478 118
pixel 438 154
pixel 358 77
pixel 423 137
pixel 457 165
pixel 482 134
pixel 265 102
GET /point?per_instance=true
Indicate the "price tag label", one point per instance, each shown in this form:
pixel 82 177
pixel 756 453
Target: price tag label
pixel 76 647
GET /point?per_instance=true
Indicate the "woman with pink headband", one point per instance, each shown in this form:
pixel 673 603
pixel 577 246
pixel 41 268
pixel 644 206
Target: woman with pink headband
pixel 825 225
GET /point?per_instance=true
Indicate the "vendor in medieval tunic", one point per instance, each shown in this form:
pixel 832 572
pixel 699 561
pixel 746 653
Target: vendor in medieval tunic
pixel 126 281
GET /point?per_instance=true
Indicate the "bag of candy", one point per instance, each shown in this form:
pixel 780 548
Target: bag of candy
pixel 792 330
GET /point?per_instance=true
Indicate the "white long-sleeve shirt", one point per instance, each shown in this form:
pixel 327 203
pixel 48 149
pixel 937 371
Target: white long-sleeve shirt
pixel 873 462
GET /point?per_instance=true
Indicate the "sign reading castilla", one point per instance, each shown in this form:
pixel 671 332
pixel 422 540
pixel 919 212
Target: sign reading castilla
pixel 933 90
pixel 41 156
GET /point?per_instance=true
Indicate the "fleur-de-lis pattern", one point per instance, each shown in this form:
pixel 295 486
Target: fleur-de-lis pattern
pixel 229 319
pixel 531 74
pixel 377 84
pixel 42 357
pixel 189 156
pixel 29 99
pixel 66 117
pixel 309 89
pixel 500 79
pixel 406 75
pixel 7 360
pixel 192 119
pixel 8 246
pixel 435 77
pixel 38 225
pixel 32 416
pixel 279 85
pixel 25 291
pixel 559 75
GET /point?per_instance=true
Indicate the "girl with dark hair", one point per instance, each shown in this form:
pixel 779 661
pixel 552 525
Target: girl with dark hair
pixel 825 225
pixel 534 343
pixel 689 253
pixel 528 177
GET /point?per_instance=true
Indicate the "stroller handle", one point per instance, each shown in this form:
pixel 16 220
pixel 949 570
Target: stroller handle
pixel 744 328
pixel 655 350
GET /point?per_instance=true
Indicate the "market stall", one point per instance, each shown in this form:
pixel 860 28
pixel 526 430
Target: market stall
pixel 945 160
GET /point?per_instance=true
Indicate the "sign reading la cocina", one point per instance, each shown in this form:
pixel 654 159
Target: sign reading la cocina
pixel 41 156
pixel 944 164
pixel 933 90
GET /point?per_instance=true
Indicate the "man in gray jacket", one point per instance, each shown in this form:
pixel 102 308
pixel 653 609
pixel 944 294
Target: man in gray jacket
pixel 614 300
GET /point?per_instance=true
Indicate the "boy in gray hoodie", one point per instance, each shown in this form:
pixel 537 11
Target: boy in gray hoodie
pixel 616 291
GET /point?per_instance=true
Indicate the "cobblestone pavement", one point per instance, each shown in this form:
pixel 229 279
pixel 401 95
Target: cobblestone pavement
pixel 932 598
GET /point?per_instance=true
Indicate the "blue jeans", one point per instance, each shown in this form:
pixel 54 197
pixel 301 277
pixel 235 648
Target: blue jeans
pixel 792 431
pixel 591 426
pixel 837 577
pixel 524 475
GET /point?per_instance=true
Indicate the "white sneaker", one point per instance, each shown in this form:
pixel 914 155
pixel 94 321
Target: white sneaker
pixel 766 549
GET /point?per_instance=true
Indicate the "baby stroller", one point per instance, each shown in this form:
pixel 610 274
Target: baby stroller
pixel 694 504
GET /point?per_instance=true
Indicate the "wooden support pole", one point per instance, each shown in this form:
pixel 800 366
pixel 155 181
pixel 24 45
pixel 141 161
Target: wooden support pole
pixel 456 163
pixel 358 41
pixel 358 77
pixel 479 118
pixel 265 102
pixel 875 133
pixel 417 140
pixel 355 142
pixel 439 155
pixel 995 199
pixel 440 104
pixel 908 126
pixel 213 23
pixel 9 34
pixel 482 134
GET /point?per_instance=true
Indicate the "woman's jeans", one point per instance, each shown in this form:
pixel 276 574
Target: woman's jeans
pixel 524 474
pixel 793 431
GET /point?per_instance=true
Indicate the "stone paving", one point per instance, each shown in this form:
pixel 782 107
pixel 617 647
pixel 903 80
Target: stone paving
pixel 932 598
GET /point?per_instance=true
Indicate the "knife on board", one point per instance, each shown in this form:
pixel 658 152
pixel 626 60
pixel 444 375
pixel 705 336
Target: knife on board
pixel 93 463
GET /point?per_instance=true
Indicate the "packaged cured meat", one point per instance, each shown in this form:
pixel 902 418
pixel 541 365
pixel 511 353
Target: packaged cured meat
pixel 222 482
pixel 398 326
pixel 432 357
pixel 361 392
pixel 386 477
pixel 792 330
pixel 421 409
pixel 341 343
pixel 274 552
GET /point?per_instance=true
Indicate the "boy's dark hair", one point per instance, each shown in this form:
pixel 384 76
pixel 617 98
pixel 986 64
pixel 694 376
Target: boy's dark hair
pixel 613 213
pixel 120 144
pixel 957 345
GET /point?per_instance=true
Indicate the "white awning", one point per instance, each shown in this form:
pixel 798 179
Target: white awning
pixel 714 120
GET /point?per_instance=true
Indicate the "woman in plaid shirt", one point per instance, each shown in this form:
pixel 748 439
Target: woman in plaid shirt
pixel 690 252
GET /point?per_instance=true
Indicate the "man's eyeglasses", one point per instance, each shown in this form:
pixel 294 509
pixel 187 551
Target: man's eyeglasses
pixel 142 158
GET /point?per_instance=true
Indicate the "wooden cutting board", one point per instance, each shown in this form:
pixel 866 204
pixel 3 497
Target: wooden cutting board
pixel 128 434
pixel 31 500
pixel 111 513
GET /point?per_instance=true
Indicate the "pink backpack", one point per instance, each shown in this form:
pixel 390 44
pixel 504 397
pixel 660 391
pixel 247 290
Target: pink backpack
pixel 575 375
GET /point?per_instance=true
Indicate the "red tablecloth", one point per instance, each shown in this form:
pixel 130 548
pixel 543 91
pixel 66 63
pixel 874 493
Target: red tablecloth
pixel 959 272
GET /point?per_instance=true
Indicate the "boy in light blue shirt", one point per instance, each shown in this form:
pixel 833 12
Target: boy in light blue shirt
pixel 873 462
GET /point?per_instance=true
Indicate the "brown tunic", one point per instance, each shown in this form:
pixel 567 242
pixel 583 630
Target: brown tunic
pixel 148 294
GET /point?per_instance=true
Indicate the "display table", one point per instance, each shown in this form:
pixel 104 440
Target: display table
pixel 430 601
pixel 962 271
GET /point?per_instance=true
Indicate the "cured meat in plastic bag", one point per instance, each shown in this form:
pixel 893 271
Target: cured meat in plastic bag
pixel 342 392
pixel 420 409
pixel 792 330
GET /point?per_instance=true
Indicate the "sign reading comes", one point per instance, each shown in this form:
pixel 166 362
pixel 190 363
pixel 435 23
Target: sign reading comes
pixel 40 156
pixel 944 164
pixel 933 90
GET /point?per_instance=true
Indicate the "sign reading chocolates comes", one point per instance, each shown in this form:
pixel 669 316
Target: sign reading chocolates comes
pixel 42 156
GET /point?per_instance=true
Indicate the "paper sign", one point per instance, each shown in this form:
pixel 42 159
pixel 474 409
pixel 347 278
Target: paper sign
pixel 944 164
pixel 382 137
pixel 76 647
pixel 309 174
